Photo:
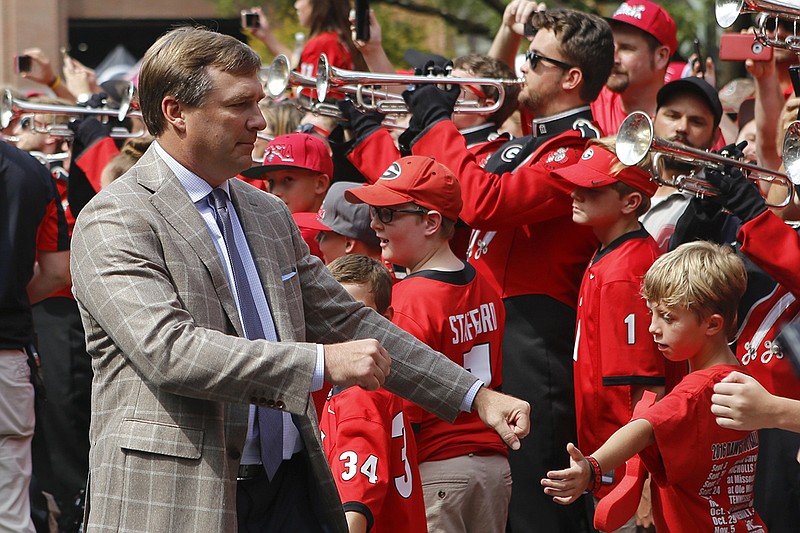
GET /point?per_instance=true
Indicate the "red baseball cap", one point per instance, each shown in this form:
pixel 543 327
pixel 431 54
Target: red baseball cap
pixel 294 150
pixel 416 179
pixel 650 18
pixel 594 170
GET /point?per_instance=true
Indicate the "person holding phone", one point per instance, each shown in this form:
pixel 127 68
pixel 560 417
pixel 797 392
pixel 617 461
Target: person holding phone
pixel 329 33
pixel 34 65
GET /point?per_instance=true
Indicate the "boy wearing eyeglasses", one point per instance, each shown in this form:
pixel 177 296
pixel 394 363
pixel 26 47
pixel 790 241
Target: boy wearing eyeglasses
pixel 445 303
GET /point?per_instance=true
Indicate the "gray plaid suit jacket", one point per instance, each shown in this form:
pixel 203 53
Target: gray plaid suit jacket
pixel 173 376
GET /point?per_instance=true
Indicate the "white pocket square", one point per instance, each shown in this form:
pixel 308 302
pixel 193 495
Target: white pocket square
pixel 290 275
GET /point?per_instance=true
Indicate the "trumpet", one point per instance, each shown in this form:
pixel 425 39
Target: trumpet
pixel 727 11
pixel 11 107
pixel 279 76
pixel 329 77
pixel 636 139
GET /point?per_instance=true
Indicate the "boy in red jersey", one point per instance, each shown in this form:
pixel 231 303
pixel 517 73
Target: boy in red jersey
pixel 615 357
pixel 446 304
pixel 703 474
pixel 366 437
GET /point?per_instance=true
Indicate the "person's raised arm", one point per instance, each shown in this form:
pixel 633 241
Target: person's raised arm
pixel 42 71
pixel 372 50
pixel 264 34
pixel 768 104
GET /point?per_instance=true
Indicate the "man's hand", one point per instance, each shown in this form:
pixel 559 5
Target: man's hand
pixel 519 12
pixel 361 362
pixel 510 417
pixel 740 402
pixel 737 194
pixel 566 486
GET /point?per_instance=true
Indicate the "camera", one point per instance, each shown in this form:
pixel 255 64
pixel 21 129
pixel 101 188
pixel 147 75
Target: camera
pixel 250 19
pixel 22 64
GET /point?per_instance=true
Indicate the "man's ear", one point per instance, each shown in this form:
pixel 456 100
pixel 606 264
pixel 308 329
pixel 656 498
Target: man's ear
pixel 389 313
pixel 173 113
pixel 661 57
pixel 572 79
pixel 349 245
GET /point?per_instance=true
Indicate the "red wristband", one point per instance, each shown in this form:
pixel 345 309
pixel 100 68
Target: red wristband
pixel 596 475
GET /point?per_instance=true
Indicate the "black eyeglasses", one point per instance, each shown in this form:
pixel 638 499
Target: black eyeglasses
pixel 533 58
pixel 386 214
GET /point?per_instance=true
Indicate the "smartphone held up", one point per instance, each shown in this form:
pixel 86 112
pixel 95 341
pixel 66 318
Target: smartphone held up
pixel 22 64
pixel 742 46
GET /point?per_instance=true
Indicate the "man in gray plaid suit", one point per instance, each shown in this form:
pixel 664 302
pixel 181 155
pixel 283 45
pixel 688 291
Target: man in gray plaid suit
pixel 158 272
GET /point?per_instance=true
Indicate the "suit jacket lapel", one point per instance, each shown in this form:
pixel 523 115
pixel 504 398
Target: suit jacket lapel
pixel 171 200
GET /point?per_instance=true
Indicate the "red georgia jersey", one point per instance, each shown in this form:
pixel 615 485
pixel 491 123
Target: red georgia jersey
pixel 774 247
pixel 703 474
pixel 461 315
pixel 614 350
pixel 373 457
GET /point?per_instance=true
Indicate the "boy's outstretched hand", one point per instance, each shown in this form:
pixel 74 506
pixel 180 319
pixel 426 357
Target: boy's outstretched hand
pixel 566 486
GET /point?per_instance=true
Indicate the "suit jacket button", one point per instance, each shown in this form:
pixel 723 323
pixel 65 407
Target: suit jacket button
pixel 263 401
pixel 270 403
pixel 233 453
pixel 280 405
pixel 253 399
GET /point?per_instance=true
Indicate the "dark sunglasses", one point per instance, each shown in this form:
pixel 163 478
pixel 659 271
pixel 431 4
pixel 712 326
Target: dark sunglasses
pixel 533 58
pixel 386 214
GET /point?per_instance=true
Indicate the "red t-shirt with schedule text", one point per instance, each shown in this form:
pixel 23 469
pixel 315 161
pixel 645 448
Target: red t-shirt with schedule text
pixel 370 447
pixel 703 474
pixel 461 315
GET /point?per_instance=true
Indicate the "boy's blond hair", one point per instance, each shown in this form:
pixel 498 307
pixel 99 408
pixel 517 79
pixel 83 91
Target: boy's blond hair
pixel 362 270
pixel 702 277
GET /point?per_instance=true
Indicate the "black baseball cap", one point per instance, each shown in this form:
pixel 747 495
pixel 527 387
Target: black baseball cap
pixel 695 85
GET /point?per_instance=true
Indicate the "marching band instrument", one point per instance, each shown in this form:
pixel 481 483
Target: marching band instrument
pixel 367 83
pixel 636 139
pixel 791 152
pixel 11 107
pixel 727 11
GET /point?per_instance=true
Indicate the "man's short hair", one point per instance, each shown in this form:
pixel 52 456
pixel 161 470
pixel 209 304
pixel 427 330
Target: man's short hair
pixel 586 42
pixel 362 270
pixel 703 277
pixel 177 65
pixel 483 66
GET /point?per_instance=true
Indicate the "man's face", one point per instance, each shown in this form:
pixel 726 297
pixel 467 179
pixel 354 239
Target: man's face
pixel 686 118
pixel 634 62
pixel 220 134
pixel 543 83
